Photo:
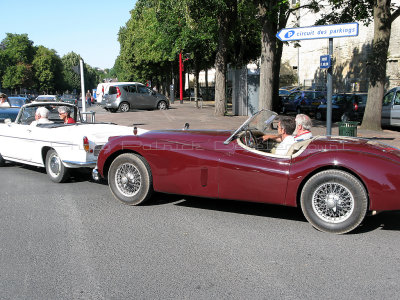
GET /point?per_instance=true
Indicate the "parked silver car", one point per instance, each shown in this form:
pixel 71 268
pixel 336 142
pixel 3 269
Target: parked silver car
pixel 391 108
pixel 126 96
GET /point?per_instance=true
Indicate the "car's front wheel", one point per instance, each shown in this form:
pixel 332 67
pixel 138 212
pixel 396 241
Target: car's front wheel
pixel 334 201
pixel 55 167
pixel 124 107
pixel 162 105
pixel 130 179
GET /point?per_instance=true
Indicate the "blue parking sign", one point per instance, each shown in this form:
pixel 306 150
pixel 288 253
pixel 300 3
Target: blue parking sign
pixel 325 61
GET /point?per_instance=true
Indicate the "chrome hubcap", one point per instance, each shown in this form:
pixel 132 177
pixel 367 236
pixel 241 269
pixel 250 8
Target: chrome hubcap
pixel 55 165
pixel 333 202
pixel 128 179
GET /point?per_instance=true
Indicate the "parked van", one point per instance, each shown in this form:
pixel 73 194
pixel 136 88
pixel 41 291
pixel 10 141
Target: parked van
pixel 102 89
pixel 391 108
pixel 124 96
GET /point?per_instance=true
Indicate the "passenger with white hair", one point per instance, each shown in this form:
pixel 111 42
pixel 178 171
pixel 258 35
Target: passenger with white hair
pixel 303 128
pixel 41 116
pixel 65 114
pixel 301 133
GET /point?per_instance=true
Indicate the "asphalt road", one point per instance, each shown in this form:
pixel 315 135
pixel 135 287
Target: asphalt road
pixel 75 241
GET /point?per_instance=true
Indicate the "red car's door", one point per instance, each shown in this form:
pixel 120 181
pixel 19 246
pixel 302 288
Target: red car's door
pixel 253 176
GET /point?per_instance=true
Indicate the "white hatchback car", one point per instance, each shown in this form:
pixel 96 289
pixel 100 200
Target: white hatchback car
pixel 57 146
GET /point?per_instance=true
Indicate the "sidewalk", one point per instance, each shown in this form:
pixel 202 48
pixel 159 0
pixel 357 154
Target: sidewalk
pixel 203 118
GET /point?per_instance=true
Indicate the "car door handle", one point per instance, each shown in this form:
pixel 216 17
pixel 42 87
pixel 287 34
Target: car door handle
pixel 29 130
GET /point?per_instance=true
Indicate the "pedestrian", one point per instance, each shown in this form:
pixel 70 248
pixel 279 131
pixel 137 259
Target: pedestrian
pixel 4 100
pixel 89 98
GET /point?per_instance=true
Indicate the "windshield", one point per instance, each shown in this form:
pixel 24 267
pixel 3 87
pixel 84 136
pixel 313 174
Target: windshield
pixel 259 121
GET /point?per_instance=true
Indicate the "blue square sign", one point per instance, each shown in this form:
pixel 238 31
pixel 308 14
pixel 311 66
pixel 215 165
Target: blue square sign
pixel 325 61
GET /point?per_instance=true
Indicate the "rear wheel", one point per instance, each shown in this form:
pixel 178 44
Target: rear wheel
pixel 334 201
pixel 162 105
pixel 130 179
pixel 55 167
pixel 124 107
pixel 2 161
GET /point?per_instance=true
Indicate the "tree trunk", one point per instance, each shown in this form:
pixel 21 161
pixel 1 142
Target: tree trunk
pixel 220 72
pixel 377 63
pixel 225 20
pixel 268 54
pixel 276 105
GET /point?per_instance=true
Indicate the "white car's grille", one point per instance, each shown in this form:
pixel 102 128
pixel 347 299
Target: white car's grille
pixel 97 149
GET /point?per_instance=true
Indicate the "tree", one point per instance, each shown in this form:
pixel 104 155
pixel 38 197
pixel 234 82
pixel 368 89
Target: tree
pixel 47 67
pixel 273 16
pixel 71 79
pixel 18 48
pixel 383 13
pixel 18 76
pixel 226 15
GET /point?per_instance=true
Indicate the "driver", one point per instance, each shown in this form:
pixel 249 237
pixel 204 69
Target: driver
pixel 286 127
pixel 302 131
pixel 41 116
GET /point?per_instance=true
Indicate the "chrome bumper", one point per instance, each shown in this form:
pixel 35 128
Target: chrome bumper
pixel 95 175
pixel 81 164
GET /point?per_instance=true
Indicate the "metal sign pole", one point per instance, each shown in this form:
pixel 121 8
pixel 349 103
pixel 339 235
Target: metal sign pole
pixel 83 87
pixel 329 93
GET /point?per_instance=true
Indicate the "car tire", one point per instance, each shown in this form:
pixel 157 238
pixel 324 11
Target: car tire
pixel 130 179
pixel 124 107
pixel 319 115
pixel 2 161
pixel 334 201
pixel 55 167
pixel 162 105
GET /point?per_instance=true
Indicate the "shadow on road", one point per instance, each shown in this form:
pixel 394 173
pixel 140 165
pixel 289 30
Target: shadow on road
pixel 245 208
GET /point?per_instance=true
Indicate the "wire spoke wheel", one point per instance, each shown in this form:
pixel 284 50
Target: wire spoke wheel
pixel 128 179
pixel 333 202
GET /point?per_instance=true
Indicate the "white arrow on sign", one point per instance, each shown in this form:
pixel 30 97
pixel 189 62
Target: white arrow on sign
pixel 318 32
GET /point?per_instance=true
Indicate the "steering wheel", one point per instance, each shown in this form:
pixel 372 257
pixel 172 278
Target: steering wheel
pixel 249 139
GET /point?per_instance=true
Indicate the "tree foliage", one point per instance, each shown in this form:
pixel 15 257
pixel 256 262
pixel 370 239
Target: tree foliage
pixel 47 68
pixel 23 65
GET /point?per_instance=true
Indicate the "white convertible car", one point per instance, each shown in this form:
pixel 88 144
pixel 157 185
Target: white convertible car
pixel 58 147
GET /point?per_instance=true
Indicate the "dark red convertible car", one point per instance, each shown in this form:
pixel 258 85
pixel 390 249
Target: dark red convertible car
pixel 336 181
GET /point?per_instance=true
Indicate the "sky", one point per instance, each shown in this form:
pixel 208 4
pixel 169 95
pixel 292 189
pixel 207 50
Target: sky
pixel 86 27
